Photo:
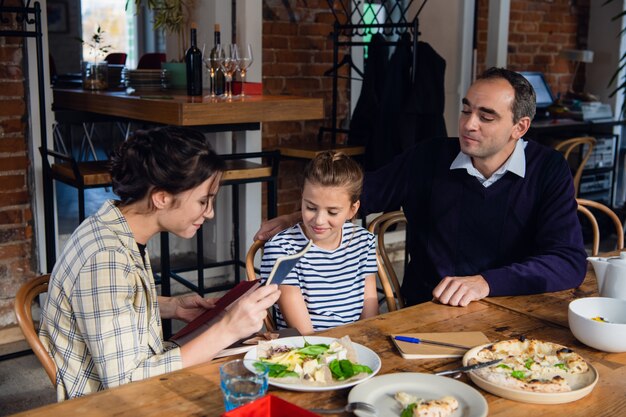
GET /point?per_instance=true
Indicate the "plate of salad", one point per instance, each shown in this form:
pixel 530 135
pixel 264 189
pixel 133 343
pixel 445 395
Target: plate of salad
pixel 314 363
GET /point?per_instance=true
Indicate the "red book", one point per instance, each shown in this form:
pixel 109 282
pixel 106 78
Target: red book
pixel 221 305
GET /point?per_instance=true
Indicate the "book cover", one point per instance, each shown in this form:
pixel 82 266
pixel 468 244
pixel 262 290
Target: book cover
pixel 427 351
pixel 221 305
pixel 284 265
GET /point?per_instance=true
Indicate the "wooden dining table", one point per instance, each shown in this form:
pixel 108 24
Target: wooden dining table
pixel 195 391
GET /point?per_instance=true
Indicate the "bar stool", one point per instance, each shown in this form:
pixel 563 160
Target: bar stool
pixel 239 171
pixel 310 150
pixel 80 175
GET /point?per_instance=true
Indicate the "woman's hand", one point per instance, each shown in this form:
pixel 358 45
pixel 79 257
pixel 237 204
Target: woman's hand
pixel 185 308
pixel 247 314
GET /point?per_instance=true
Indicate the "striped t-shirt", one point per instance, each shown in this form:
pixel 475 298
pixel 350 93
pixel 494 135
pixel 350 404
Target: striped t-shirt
pixel 332 281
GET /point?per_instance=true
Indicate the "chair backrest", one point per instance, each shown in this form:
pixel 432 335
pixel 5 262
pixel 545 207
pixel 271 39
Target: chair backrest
pixel 386 274
pixel 583 207
pixel 116 58
pixel 270 325
pixel 23 305
pixel 151 60
pixel 585 143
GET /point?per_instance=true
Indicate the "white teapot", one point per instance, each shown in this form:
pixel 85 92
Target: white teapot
pixel 611 275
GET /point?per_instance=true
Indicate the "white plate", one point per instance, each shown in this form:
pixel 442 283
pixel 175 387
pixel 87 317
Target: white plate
pixel 581 384
pixel 379 392
pixel 365 356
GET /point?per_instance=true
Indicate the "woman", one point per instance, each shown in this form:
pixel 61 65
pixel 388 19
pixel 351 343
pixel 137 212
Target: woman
pixel 102 320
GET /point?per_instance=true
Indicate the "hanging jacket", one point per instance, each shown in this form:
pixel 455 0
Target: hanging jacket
pixel 368 105
pixel 423 115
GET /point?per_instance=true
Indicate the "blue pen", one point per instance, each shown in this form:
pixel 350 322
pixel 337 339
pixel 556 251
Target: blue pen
pixel 429 342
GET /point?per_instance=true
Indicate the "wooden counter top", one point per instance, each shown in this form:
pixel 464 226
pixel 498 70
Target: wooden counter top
pixel 182 110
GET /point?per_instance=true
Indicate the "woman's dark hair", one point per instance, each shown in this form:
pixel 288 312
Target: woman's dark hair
pixel 170 159
pixel 524 103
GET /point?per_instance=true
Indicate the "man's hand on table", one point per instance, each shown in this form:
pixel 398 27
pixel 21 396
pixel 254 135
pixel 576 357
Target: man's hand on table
pixel 460 291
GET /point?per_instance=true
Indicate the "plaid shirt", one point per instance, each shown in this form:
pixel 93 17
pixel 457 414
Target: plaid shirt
pixel 101 322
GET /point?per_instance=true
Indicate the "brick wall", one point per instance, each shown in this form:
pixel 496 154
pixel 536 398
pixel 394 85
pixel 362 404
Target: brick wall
pixel 297 49
pixel 538 30
pixel 16 229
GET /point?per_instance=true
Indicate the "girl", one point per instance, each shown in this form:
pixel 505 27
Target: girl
pixel 102 319
pixel 334 282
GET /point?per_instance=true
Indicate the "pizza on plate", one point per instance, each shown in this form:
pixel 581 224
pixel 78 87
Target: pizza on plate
pixel 413 406
pixel 530 365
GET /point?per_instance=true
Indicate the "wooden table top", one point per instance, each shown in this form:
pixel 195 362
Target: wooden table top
pixel 195 391
pixel 182 110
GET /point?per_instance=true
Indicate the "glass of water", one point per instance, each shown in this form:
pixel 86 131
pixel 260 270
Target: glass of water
pixel 241 385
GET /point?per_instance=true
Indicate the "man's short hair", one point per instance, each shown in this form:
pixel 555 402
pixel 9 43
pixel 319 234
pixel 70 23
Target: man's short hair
pixel 524 103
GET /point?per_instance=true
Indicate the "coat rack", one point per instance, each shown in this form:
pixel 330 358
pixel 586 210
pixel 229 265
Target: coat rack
pixel 25 22
pixel 350 21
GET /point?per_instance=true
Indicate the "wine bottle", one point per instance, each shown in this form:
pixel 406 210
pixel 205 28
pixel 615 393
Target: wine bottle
pixel 193 60
pixel 219 75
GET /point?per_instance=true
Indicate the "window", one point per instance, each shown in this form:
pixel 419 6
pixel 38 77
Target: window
pixel 118 24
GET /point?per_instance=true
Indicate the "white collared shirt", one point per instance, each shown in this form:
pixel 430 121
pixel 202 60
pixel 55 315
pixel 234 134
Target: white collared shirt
pixel 515 164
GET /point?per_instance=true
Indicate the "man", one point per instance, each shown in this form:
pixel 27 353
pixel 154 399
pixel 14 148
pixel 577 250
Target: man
pixel 488 213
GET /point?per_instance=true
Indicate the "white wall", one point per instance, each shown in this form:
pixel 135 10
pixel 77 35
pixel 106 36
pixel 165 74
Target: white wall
pixel 448 26
pixel 607 49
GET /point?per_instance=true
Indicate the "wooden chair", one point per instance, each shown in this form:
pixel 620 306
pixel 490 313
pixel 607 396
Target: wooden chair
pixel 386 274
pixel 584 146
pixel 583 207
pixel 116 58
pixel 151 60
pixel 23 304
pixel 270 324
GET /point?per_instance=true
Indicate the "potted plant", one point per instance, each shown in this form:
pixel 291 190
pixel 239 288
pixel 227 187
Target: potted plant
pixel 95 73
pixel 173 16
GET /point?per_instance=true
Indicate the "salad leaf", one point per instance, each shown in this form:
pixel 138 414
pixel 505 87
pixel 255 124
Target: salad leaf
pixel 344 369
pixel 518 374
pixel 529 363
pixel 313 350
pixel 561 366
pixel 408 411
pixel 503 366
pixel 275 370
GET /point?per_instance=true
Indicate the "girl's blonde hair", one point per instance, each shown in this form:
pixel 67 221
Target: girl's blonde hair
pixel 336 169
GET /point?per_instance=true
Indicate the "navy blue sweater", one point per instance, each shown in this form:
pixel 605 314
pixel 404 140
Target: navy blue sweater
pixel 521 234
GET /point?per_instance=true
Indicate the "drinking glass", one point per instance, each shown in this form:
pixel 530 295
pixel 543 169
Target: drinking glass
pixel 213 62
pixel 244 60
pixel 229 66
pixel 241 385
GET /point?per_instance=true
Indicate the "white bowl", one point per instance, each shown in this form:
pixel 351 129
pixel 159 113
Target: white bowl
pixel 608 337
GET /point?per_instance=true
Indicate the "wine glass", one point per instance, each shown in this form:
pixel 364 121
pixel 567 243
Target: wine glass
pixel 244 60
pixel 229 67
pixel 213 63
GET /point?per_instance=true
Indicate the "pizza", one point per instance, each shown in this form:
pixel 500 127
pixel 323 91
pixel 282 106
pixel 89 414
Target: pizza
pixel 413 406
pixel 312 364
pixel 530 365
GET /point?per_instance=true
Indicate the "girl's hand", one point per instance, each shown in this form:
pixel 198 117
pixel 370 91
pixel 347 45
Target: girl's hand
pixel 185 308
